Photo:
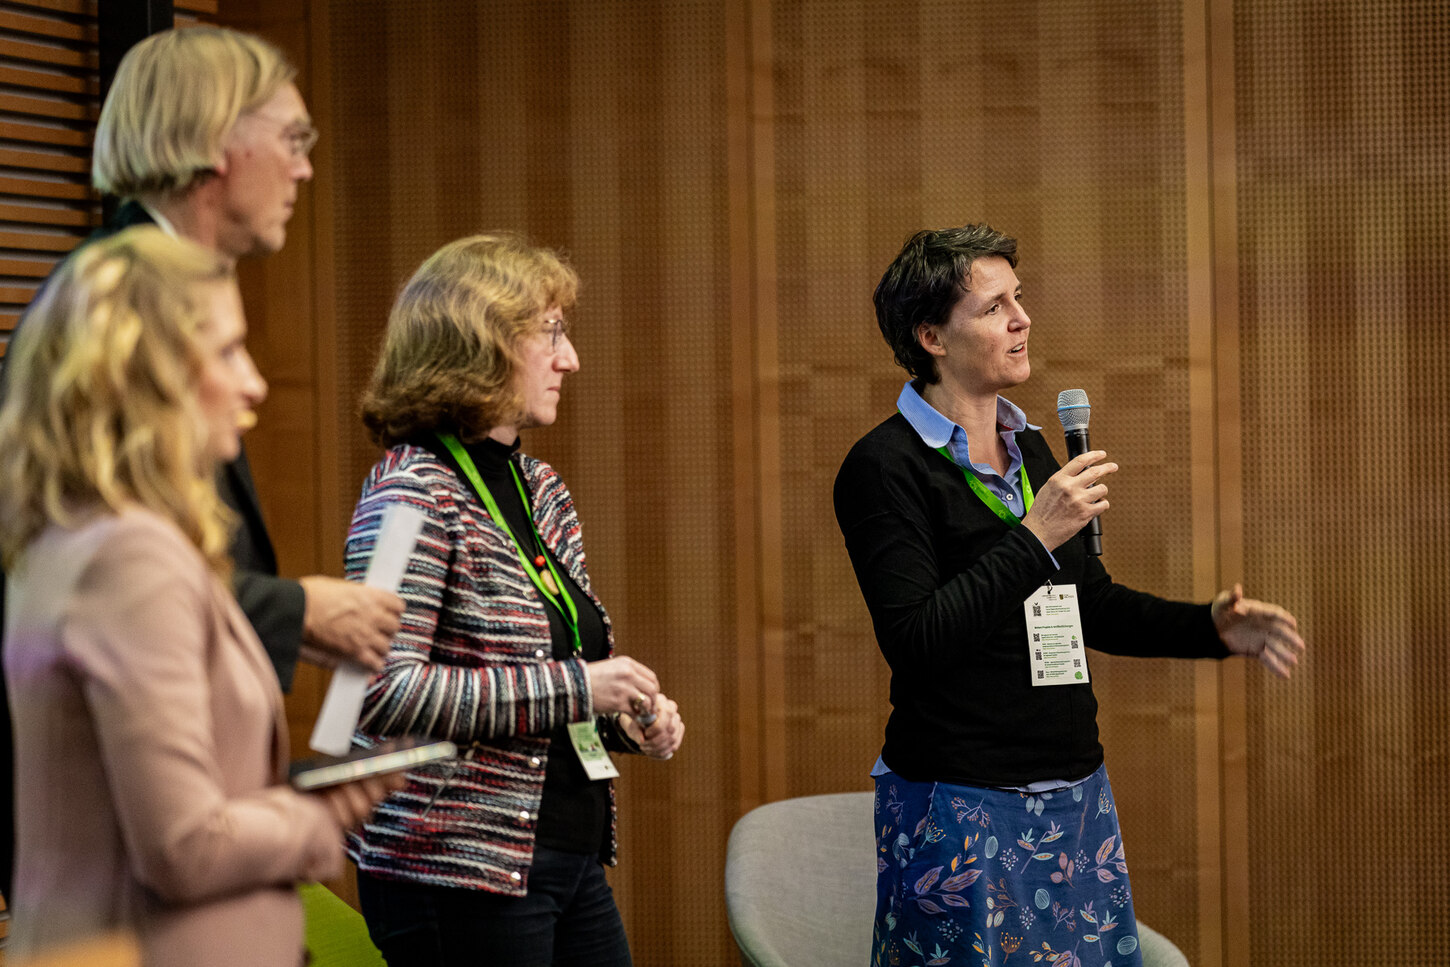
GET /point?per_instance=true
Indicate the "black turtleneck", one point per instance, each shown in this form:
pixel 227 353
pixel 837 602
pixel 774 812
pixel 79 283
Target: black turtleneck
pixel 574 813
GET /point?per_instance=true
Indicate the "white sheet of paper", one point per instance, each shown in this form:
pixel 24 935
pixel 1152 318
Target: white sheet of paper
pixel 1054 636
pixel 343 705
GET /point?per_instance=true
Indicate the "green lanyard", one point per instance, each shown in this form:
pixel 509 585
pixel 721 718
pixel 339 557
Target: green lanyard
pixel 566 609
pixel 994 504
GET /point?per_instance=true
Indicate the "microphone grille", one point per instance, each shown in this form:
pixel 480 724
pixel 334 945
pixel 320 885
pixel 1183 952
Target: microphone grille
pixel 1073 409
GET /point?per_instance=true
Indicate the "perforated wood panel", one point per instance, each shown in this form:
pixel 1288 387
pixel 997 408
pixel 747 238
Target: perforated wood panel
pixel 597 128
pixel 908 115
pixel 1344 144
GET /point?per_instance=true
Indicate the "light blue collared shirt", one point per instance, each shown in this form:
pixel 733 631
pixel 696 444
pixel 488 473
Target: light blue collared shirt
pixel 936 431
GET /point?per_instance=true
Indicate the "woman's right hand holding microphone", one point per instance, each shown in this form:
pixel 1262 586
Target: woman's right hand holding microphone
pixel 1070 498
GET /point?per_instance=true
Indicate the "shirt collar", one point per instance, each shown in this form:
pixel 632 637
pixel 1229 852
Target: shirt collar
pixel 161 220
pixel 936 430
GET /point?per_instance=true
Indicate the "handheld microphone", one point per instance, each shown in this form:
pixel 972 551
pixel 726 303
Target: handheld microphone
pixel 1073 410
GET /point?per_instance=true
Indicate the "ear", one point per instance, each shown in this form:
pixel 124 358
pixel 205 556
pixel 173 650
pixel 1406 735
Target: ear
pixel 221 164
pixel 930 339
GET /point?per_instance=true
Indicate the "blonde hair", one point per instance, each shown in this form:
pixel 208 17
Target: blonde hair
pixel 174 100
pixel 102 407
pixel 451 342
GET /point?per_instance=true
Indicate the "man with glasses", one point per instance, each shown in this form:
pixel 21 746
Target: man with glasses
pixel 205 134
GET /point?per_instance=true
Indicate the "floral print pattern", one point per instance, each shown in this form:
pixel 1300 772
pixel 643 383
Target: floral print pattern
pixel 975 877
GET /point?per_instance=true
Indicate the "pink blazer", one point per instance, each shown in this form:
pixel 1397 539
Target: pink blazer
pixel 150 748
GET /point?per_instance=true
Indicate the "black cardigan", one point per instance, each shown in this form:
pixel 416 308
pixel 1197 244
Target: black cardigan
pixel 945 580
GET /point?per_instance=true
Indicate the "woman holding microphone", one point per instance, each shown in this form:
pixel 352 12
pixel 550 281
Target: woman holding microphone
pixel 504 649
pixel 996 824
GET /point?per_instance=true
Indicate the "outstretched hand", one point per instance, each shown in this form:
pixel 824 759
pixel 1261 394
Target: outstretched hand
pixel 1257 628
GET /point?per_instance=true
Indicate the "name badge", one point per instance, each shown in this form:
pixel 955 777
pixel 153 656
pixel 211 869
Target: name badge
pixel 593 756
pixel 1054 636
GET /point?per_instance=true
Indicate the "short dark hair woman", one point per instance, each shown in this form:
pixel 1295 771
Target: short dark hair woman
pixel 997 830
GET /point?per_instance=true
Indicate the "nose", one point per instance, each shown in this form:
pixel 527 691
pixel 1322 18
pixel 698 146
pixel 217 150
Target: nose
pixel 253 386
pixel 302 171
pixel 1021 320
pixel 566 360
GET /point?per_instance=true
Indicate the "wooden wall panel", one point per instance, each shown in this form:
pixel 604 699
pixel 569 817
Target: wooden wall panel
pixel 1344 145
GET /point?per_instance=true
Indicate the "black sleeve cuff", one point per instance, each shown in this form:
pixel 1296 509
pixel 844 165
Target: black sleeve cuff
pixel 275 607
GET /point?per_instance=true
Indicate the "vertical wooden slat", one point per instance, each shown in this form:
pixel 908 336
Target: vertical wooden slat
pixel 750 726
pixel 1203 429
pixel 769 567
pixel 1234 917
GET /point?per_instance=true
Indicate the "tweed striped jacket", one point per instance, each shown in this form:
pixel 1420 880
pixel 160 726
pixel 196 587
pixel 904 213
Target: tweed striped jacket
pixel 472 663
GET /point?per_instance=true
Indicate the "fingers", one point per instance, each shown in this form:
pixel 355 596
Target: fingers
pixel 348 804
pixel 649 717
pixel 1091 465
pixel 1282 643
pixel 349 620
pixel 1070 499
pixel 352 802
pixel 1280 652
pixel 1278 659
pixel 662 738
pixel 1263 612
pixel 1232 608
pixel 1258 628
pixel 1225 607
pixel 380 614
pixel 622 684
pixel 642 683
pixel 1088 470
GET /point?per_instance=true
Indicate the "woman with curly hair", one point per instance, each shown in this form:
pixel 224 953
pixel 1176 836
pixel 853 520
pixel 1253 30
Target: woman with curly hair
pixel 505 650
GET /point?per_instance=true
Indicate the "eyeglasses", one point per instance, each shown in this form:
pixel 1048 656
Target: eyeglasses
pixel 299 136
pixel 301 140
pixel 557 329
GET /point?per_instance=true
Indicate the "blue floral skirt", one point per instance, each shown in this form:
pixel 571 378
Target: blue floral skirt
pixel 973 876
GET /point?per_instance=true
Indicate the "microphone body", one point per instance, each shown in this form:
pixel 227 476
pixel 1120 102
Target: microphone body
pixel 1077 443
pixel 1072 409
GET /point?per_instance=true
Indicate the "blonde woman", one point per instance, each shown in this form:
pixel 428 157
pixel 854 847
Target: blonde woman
pixel 149 735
